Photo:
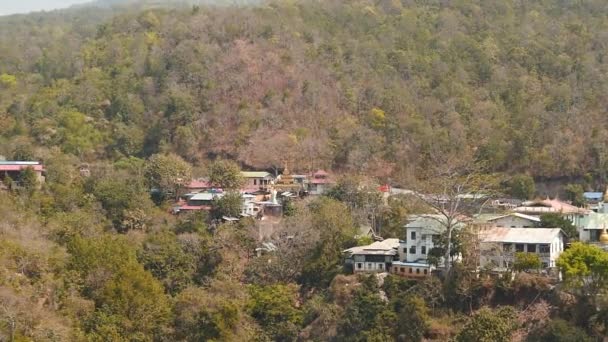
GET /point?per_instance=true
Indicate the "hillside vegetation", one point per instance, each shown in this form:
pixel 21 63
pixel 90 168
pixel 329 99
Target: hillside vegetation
pixel 384 88
pixel 124 105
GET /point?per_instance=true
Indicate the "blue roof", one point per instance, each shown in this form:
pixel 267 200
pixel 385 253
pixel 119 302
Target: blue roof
pixel 593 195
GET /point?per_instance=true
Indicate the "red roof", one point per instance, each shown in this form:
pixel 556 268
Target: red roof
pixel 21 167
pixel 194 207
pixel 197 184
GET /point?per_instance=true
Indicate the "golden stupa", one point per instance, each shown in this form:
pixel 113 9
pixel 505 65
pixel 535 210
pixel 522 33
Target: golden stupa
pixel 604 237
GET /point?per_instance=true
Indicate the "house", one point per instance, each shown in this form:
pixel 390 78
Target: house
pixel 593 197
pixel 250 206
pixel 499 245
pixel 546 206
pixel 320 182
pixel 421 232
pixel 256 180
pixel 510 220
pixel 373 258
pixel 591 226
pixel 13 169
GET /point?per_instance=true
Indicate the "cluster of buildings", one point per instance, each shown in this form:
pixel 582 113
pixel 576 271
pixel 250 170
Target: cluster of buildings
pixel 498 239
pixel 262 192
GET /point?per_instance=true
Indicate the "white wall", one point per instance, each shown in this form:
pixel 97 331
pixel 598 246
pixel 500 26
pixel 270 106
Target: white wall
pixel 514 222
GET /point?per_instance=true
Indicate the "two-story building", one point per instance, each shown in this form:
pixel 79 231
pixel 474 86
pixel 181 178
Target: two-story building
pixel 421 232
pixel 498 246
pixel 374 258
pixel 256 180
pixel 319 183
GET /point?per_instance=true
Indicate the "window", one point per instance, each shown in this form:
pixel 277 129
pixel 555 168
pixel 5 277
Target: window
pixel 359 265
pixel 425 271
pixel 519 247
pixel 255 182
pixel 413 250
pixel 380 266
pixel 423 250
pixel 402 270
pixel 410 270
pixel 507 247
pixel 543 248
pixel 531 248
pixel 404 249
pixel 417 271
pixel 413 235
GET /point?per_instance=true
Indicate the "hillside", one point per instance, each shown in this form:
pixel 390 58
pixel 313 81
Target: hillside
pixel 126 125
pixel 377 87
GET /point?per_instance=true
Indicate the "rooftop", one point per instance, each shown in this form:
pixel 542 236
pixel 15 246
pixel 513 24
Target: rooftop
pixel 255 174
pixel 550 206
pixel 385 247
pixel 8 165
pixel 520 215
pixel 520 235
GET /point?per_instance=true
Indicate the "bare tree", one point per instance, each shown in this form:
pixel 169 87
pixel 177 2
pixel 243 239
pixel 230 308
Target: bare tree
pixel 455 191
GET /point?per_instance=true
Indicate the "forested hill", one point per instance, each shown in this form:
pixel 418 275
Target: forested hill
pixel 379 87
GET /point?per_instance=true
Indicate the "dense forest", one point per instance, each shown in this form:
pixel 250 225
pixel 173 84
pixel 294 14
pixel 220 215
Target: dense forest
pixel 379 91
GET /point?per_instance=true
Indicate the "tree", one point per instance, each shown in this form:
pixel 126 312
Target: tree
pixel 558 330
pixel 553 220
pixel 274 308
pixel 129 302
pixel 225 174
pixel 489 325
pixel 455 189
pixel 229 205
pixel 526 261
pixel 332 221
pixel 574 193
pixel 522 187
pixel 412 318
pixel 167 173
pixel 28 179
pixel 163 256
pixel 585 270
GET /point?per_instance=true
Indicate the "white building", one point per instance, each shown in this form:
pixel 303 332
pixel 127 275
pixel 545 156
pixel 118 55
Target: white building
pixel 420 232
pixel 498 246
pixel 373 258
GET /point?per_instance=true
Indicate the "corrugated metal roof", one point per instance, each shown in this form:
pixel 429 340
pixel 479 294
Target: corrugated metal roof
pixel 255 174
pixel 519 235
pixel 205 196
pixel 520 215
pixel 593 195
pixel 384 247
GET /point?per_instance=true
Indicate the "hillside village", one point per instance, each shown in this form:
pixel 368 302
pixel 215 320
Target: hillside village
pixel 304 171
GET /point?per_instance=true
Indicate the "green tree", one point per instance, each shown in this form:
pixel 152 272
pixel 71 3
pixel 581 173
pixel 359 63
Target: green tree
pixel 129 303
pixel 225 174
pixel 574 193
pixel 229 205
pixel 553 220
pixel 489 325
pixel 168 173
pixel 522 187
pixel 526 261
pixel 28 179
pixel 163 256
pixel 274 308
pixel 585 269
pixel 558 330
pixel 332 220
pixel 121 196
pixel 412 318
